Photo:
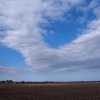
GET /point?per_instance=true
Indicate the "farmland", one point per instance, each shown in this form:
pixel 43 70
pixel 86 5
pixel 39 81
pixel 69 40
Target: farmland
pixel 67 91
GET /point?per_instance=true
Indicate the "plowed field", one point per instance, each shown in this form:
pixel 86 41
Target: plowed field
pixel 70 91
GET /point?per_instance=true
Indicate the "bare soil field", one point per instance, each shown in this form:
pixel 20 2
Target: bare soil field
pixel 68 91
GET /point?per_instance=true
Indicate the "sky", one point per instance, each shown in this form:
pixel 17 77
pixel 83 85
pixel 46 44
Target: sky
pixel 50 40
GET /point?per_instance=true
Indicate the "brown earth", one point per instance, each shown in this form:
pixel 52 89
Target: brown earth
pixel 68 91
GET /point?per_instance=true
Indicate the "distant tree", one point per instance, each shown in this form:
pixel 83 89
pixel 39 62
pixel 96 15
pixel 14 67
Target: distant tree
pixel 3 82
pixel 22 82
pixel 9 81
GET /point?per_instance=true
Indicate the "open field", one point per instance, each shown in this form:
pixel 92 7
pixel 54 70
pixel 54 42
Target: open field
pixel 68 91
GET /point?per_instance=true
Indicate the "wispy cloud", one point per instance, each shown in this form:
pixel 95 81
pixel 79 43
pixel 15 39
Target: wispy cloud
pixel 23 24
pixel 13 70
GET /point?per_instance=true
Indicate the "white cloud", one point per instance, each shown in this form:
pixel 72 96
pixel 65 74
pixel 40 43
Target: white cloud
pixel 93 4
pixel 23 23
pixel 97 11
pixel 75 2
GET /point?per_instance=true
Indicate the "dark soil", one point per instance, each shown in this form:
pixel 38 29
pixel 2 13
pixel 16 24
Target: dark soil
pixel 71 91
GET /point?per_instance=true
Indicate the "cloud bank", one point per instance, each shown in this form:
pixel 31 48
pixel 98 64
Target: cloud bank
pixel 22 25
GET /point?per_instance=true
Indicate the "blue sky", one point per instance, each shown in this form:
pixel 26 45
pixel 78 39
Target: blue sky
pixel 50 40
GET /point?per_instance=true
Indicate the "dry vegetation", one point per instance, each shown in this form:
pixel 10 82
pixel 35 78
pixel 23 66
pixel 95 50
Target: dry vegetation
pixel 70 91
